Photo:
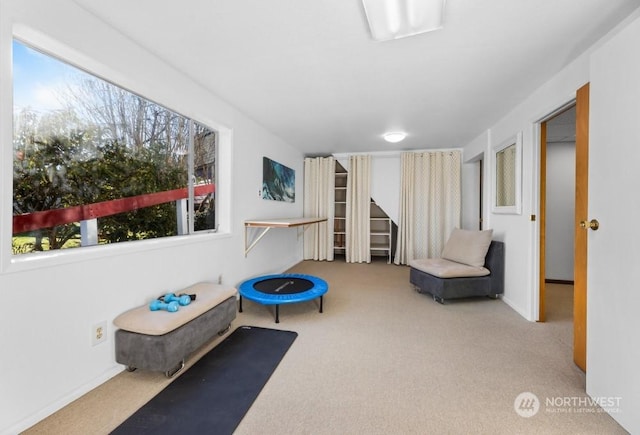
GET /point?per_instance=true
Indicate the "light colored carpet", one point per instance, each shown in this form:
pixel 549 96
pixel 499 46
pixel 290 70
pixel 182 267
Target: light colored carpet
pixel 559 311
pixel 384 359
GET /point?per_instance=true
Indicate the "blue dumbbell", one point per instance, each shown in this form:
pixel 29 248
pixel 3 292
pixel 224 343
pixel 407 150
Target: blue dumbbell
pixel 171 307
pixel 182 299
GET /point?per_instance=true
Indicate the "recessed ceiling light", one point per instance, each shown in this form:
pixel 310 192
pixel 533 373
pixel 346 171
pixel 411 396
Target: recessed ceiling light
pixel 393 19
pixel 394 137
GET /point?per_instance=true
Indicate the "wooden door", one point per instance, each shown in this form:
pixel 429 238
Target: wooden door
pixel 480 193
pixel 580 247
pixel 543 220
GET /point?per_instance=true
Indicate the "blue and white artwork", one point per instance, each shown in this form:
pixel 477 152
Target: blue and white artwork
pixel 278 181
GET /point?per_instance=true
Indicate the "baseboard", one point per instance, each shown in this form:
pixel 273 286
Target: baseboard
pixel 64 401
pixel 291 265
pixel 558 281
pixel 515 308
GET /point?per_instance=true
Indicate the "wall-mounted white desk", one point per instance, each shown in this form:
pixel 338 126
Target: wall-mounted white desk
pixel 267 224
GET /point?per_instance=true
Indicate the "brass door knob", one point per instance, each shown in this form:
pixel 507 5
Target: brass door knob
pixel 593 224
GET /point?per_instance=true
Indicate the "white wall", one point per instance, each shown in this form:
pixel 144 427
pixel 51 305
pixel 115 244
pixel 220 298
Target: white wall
pixel 385 183
pixel 613 67
pixel 52 301
pixel 613 296
pixel 561 188
pixel 519 233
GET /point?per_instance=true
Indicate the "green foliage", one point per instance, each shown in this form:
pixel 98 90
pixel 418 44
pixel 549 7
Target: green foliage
pixel 121 173
pixel 22 245
pixel 64 171
pixel 26 244
pixel 40 183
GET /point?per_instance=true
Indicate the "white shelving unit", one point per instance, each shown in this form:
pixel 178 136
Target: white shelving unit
pixel 340 213
pixel 380 232
pixel 380 223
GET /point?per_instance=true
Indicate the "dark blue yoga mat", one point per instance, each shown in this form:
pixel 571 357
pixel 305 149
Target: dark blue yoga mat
pixel 213 395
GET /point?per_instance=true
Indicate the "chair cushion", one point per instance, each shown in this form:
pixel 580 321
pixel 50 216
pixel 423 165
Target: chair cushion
pixel 467 247
pixel 446 268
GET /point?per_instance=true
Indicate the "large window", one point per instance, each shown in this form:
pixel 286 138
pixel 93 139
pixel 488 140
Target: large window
pixel 97 164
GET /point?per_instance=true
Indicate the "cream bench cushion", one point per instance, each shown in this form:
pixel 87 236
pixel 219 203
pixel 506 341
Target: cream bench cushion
pixel 144 321
pixel 446 268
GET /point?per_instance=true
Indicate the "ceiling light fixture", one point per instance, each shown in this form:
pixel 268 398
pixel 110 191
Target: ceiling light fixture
pixel 394 137
pixel 393 19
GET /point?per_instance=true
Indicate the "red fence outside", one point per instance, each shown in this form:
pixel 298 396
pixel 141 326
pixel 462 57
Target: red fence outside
pixel 51 218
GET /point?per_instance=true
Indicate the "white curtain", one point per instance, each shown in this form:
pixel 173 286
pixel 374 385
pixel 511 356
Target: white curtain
pixel 430 203
pixel 358 241
pixel 319 193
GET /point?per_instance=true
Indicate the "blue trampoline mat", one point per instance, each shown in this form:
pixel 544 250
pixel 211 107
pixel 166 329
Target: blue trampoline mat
pixel 285 288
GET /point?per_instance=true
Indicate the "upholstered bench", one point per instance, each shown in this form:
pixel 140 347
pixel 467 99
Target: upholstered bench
pixel 160 340
pixel 471 265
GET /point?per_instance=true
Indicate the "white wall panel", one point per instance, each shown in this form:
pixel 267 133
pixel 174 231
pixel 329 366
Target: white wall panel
pixel 613 323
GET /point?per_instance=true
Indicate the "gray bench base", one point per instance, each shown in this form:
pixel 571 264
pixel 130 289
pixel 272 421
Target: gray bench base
pixel 166 353
pixel 441 289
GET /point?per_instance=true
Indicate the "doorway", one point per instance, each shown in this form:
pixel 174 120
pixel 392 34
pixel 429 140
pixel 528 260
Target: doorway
pixel 557 261
pixel 578 117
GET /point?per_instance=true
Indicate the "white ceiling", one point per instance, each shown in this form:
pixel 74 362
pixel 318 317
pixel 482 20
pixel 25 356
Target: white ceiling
pixel 308 70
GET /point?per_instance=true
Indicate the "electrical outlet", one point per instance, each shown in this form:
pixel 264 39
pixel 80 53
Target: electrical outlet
pixel 220 279
pixel 99 333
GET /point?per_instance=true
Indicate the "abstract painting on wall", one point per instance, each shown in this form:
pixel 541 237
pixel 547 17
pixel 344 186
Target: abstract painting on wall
pixel 278 181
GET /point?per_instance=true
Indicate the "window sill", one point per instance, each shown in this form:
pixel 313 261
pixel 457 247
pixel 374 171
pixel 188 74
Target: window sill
pixel 41 260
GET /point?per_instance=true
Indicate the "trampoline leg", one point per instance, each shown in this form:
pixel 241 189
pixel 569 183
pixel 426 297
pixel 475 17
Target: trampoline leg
pixel 240 306
pixel 277 313
pixel 320 303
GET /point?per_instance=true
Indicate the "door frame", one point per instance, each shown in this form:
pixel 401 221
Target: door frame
pixel 542 209
pixel 481 169
pixel 581 101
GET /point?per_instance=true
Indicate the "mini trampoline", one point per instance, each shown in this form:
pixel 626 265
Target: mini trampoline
pixel 287 288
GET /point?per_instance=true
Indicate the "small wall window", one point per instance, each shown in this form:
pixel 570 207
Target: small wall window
pixel 96 164
pixel 507 176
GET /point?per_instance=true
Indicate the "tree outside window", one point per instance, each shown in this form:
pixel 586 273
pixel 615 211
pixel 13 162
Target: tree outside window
pixel 83 146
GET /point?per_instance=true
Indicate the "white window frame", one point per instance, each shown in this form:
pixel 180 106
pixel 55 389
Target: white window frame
pixel 10 263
